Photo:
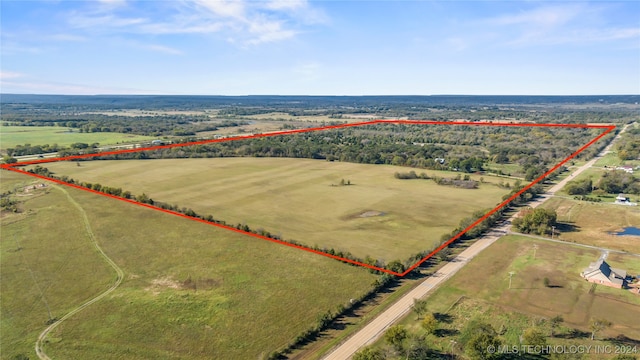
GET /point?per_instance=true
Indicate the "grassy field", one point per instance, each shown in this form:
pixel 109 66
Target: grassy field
pixel 507 169
pixel 254 128
pixel 612 159
pixel 481 290
pixel 305 118
pixel 298 198
pixel 591 223
pixel 10 136
pixel 191 291
pixel 45 260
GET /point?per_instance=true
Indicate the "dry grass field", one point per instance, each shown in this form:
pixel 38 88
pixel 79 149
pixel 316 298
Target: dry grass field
pixel 377 215
pixel 592 223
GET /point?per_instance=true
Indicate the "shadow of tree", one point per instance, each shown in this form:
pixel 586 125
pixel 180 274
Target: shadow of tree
pixel 574 334
pixel 444 318
pixel 564 227
pixel 446 332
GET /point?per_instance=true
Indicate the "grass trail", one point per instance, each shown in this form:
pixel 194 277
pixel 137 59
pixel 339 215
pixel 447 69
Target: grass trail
pixel 120 276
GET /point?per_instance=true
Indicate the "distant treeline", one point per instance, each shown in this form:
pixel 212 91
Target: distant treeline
pixel 458 181
pixel 165 125
pixel 459 148
pixel 565 109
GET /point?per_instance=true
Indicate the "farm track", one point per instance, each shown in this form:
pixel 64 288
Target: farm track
pixel 602 249
pixel 120 276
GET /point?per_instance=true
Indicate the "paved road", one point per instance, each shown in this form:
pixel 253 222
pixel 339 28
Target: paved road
pixel 99 149
pixel 373 330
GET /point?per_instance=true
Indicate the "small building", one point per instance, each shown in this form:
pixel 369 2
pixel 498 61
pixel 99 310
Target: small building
pixel 622 198
pixel 627 169
pixel 600 272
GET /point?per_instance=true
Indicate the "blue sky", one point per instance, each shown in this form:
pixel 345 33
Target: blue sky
pixel 299 47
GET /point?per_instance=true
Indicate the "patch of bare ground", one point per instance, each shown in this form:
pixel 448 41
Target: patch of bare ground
pixel 167 282
pixel 363 214
pixel 371 213
pixel 163 283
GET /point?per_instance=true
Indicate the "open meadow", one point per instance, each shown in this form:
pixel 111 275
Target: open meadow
pixel 48 265
pixel 301 199
pixel 190 291
pixel 481 291
pixel 10 136
pixel 591 223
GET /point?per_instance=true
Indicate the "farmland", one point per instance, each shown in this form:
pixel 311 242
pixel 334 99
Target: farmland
pixel 377 215
pixel 481 291
pixel 190 290
pixel 41 135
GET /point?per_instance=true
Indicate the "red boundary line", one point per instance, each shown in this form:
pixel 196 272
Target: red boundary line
pixel 609 128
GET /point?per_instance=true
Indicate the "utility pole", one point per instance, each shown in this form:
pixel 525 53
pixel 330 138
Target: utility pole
pixel 553 230
pixel 535 247
pixel 511 273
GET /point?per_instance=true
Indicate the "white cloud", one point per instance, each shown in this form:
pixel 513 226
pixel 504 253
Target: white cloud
pixel 67 37
pixel 10 75
pixel 558 24
pixel 45 87
pixel 239 21
pixel 163 49
pixel 547 16
pixel 106 21
pixel 285 4
pixel 224 8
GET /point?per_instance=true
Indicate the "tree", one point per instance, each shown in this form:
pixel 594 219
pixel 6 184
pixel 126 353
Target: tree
pixel 554 322
pixel 395 336
pixel 368 353
pixel 537 221
pixel 396 266
pixel 9 159
pixel 443 255
pixel 615 182
pixel 534 336
pixel 596 325
pixel 483 346
pixel 419 307
pixel 429 323
pixel 417 349
pixel 582 187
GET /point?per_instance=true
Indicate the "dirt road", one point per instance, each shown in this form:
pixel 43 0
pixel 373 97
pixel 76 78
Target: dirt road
pixel 119 277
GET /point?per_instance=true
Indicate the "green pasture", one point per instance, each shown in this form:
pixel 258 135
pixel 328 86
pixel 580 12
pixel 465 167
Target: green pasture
pixel 191 290
pixel 10 136
pixel 302 199
pixel 481 290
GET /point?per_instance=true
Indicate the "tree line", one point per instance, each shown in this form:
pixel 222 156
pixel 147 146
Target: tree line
pixel 440 148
